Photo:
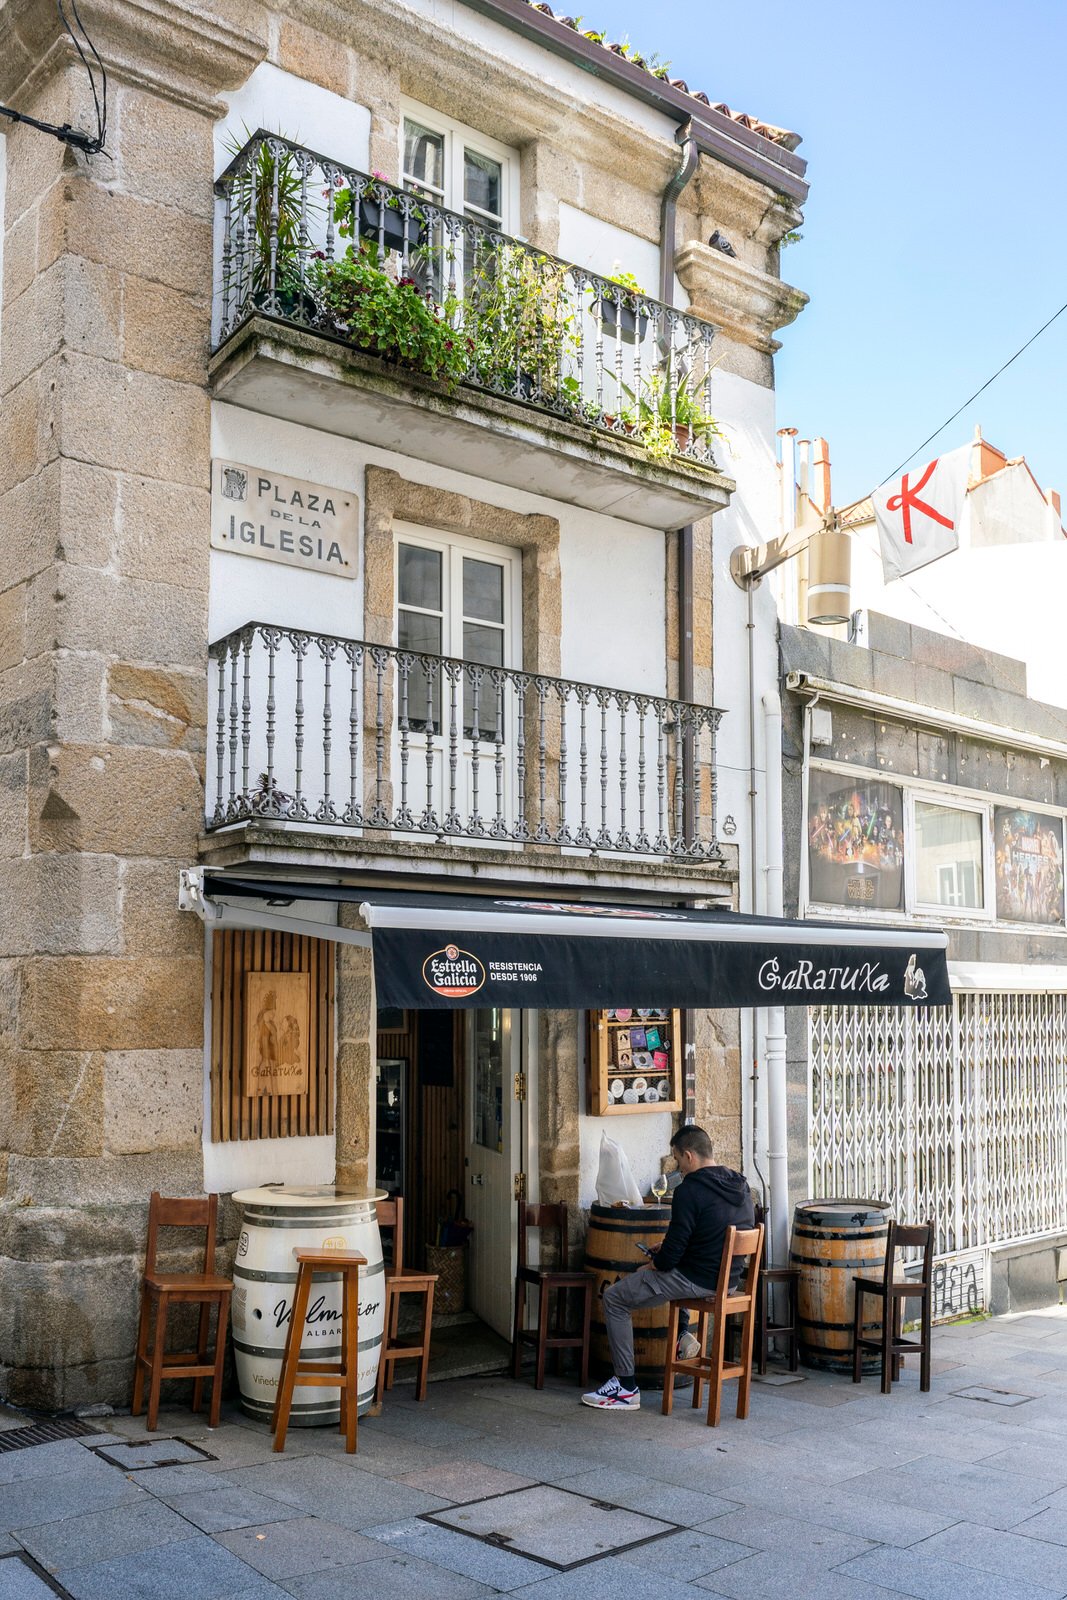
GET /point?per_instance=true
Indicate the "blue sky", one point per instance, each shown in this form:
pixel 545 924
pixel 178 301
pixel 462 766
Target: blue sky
pixel 934 236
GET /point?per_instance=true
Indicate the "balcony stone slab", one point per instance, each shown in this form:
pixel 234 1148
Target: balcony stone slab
pixel 270 848
pixel 745 304
pixel 307 378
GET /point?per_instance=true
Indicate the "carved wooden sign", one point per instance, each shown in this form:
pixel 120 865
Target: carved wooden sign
pixel 277 1040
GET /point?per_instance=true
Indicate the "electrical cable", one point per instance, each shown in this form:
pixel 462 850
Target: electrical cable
pixel 974 396
pixel 89 144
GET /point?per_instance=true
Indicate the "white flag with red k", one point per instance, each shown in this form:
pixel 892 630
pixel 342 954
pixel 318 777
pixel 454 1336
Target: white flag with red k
pixel 919 514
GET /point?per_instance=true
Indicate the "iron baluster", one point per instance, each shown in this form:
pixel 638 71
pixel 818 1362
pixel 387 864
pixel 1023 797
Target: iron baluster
pixel 272 637
pixel 583 836
pixel 542 834
pixel 663 844
pixel 499 830
pixel 247 641
pixel 454 673
pixel 220 734
pixel 353 812
pixel 475 825
pixel 402 817
pixel 379 817
pixel 603 839
pixel 563 834
pixel 678 821
pixel 428 821
pixel 326 811
pixel 622 841
pixel 299 642
pixel 642 842
pixel 522 684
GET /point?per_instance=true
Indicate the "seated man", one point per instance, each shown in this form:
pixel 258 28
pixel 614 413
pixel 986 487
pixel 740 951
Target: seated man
pixel 685 1267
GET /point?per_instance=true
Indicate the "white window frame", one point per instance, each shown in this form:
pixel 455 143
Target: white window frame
pixel 458 138
pixel 455 545
pixel 986 912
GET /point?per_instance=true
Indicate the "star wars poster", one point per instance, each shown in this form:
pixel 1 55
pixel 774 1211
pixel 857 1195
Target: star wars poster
pixel 855 842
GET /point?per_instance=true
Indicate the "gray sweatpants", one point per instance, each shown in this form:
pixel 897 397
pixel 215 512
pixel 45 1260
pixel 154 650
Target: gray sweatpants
pixel 636 1292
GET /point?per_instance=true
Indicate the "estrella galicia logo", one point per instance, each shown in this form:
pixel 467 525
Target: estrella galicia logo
pixel 453 972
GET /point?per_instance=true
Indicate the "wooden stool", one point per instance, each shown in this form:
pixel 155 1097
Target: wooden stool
pixel 765 1328
pixel 559 1279
pixel 400 1282
pixel 712 1367
pixel 893 1292
pixel 343 1374
pixel 162 1289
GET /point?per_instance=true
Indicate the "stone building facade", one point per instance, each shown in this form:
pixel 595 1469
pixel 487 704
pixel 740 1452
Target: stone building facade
pixel 118 392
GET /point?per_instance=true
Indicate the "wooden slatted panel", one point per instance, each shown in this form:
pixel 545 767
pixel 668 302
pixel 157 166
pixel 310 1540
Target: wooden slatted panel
pixel 235 1115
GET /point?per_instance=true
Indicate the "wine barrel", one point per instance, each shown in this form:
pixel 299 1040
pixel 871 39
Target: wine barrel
pixel 277 1221
pixel 833 1242
pixel 610 1253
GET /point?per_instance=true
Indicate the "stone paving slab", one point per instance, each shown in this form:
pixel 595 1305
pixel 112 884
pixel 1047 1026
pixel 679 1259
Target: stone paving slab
pixel 18 1581
pixel 472 1558
pixel 392 1578
pixel 687 1555
pixel 912 1573
pixel 36 1500
pixel 641 1492
pixel 463 1481
pixel 196 1569
pixel 1008 1554
pixel 100 1535
pixel 282 1550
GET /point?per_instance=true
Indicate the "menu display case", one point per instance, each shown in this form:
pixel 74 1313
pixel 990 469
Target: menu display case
pixel 635 1060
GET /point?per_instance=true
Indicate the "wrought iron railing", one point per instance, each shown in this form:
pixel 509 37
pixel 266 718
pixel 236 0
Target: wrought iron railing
pixel 314 729
pixel 311 242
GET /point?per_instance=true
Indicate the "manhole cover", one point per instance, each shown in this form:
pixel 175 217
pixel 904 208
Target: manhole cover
pixel 554 1526
pixel 993 1397
pixel 138 1454
pixel 44 1433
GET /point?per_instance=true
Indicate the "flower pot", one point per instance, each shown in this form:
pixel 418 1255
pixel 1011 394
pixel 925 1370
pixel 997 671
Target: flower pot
pixel 620 318
pixel 384 224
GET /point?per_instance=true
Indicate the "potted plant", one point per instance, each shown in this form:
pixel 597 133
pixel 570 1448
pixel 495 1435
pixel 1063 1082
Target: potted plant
pixel 380 217
pixel 392 317
pixel 269 194
pixel 620 308
pixel 519 309
pixel 668 420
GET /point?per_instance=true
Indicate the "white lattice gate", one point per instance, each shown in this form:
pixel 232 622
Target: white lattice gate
pixel 956 1113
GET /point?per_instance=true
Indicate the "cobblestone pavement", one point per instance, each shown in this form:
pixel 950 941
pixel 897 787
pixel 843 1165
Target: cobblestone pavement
pixel 828 1491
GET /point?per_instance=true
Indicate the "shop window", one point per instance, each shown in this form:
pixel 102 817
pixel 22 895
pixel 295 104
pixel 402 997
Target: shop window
pixel 949 857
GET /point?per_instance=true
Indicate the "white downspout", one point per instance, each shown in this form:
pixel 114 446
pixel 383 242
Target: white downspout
pixel 774 1016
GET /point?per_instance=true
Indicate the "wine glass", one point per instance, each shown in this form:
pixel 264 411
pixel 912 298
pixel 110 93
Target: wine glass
pixel 659 1185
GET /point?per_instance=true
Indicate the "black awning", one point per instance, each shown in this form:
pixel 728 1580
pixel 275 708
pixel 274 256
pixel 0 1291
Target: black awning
pixel 447 952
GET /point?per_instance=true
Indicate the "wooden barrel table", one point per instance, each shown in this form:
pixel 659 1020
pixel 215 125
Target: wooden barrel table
pixel 277 1221
pixel 833 1242
pixel 610 1254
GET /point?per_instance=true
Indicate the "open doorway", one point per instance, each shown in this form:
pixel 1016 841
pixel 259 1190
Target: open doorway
pixel 450 1140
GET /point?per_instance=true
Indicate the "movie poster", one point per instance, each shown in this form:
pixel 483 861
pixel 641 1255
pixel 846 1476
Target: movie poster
pixel 855 842
pixel 1029 866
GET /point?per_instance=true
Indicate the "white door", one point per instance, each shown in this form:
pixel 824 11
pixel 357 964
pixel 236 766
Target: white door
pixel 493 1127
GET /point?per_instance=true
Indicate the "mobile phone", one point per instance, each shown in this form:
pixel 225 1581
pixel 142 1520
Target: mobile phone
pixel 645 1249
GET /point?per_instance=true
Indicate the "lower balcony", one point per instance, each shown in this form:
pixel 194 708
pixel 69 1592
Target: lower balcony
pixel 318 734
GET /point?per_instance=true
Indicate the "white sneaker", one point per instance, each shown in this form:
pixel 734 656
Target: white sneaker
pixel 611 1396
pixel 688 1347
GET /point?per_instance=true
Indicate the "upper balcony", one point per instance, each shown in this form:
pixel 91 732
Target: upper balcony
pixel 368 311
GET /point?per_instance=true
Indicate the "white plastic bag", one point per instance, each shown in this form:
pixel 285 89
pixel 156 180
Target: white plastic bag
pixel 614 1180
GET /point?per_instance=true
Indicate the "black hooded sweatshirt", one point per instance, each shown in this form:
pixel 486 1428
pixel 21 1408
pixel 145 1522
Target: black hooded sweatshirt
pixel 704 1205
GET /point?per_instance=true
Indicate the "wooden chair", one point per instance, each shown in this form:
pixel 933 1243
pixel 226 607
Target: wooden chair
pixel 545 1281
pixel 342 1374
pixel 893 1291
pixel 789 1279
pixel 711 1367
pixel 161 1290
pixel 399 1282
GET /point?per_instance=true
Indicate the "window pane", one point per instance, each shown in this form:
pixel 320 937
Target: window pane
pixel 419 578
pixel 483 590
pixel 485 645
pixel 948 857
pixel 487 1044
pixel 481 182
pixel 415 631
pixel 424 155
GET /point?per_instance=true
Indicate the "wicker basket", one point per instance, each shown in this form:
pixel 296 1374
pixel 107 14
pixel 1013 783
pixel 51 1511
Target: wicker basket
pixel 449 1261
